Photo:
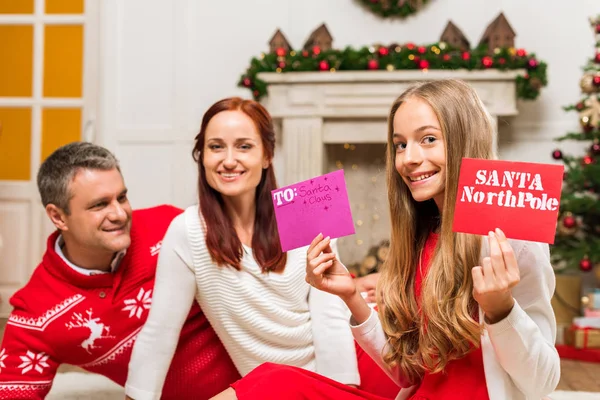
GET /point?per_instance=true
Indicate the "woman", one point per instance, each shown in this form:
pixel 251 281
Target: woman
pixel 225 253
pixel 460 316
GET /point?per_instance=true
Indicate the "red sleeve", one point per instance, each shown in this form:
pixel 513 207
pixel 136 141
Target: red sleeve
pixel 27 367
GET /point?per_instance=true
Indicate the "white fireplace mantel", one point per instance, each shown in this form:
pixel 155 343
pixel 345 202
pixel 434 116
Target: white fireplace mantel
pixel 314 109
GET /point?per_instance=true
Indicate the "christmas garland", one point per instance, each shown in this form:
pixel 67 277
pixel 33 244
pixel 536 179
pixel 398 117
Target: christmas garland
pixel 394 8
pixel 396 57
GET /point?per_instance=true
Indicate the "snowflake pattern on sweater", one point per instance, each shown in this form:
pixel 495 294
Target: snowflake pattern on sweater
pixel 62 316
pixel 141 302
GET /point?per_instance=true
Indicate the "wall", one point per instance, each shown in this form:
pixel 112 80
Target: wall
pixel 164 63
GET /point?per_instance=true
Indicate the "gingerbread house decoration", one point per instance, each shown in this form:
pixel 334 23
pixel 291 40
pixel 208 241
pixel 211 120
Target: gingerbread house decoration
pixel 453 36
pixel 320 38
pixel 279 41
pixel 498 34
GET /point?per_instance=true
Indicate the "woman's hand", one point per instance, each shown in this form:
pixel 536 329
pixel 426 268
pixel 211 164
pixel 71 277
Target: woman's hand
pixel 325 272
pixel 492 282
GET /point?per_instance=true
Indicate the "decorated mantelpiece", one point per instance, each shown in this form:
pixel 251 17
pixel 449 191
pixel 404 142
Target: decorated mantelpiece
pixel 314 110
pixel 495 51
pixel 330 107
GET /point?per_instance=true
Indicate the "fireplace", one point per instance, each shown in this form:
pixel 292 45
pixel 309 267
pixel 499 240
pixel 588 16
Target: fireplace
pixel 328 121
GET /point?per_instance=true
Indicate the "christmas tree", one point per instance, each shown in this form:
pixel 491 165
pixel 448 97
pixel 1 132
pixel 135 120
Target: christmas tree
pixel 577 242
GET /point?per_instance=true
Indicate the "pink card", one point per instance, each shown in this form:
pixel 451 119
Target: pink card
pixel 520 198
pixel 307 208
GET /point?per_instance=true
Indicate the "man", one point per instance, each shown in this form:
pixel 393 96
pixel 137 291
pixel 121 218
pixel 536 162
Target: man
pixel 89 297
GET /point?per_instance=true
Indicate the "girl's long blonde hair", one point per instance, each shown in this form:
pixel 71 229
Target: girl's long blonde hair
pixel 444 329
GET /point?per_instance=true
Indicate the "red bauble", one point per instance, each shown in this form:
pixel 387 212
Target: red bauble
pixel 383 51
pixel 569 222
pixel 597 58
pixel 466 55
pixel 421 50
pixel 557 154
pixel 487 61
pixel 423 64
pixel 410 46
pixel 579 106
pixel 597 28
pixel 316 50
pixel 246 82
pixel 521 52
pixel 532 63
pixel 417 59
pixel 587 160
pixel 304 53
pixel 446 57
pixel 281 64
pixel 585 264
pixel 280 52
pixel 324 65
pixel 255 93
pixel 502 61
pixel 595 149
pixel 373 64
pixel 596 80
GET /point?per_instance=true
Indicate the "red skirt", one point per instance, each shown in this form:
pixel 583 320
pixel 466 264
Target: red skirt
pixel 276 382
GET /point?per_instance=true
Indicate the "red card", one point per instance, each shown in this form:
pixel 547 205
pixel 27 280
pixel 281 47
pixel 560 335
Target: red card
pixel 520 198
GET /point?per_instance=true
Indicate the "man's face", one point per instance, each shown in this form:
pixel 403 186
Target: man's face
pixel 100 217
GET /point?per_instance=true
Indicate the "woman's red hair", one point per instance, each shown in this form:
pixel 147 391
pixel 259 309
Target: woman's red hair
pixel 223 243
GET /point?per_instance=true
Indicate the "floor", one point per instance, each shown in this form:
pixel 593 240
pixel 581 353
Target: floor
pixel 579 376
pixel 575 375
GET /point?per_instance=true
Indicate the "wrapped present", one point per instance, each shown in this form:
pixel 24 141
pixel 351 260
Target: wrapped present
pixel 591 313
pixel 583 337
pixel 566 301
pixel 586 322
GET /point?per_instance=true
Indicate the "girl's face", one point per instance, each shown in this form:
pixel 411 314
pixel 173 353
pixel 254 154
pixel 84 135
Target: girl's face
pixel 420 150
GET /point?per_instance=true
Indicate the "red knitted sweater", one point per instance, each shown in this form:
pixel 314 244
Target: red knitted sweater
pixel 62 316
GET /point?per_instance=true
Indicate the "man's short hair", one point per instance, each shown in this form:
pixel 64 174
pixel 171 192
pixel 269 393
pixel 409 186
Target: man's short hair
pixel 59 169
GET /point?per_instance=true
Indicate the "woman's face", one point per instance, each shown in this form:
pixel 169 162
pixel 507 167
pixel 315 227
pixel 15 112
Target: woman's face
pixel 233 154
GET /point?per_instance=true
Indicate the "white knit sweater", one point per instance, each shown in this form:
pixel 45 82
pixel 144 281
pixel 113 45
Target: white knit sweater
pixel 259 317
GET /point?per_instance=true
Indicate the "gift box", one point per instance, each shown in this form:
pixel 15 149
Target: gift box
pixel 591 313
pixel 583 337
pixel 566 301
